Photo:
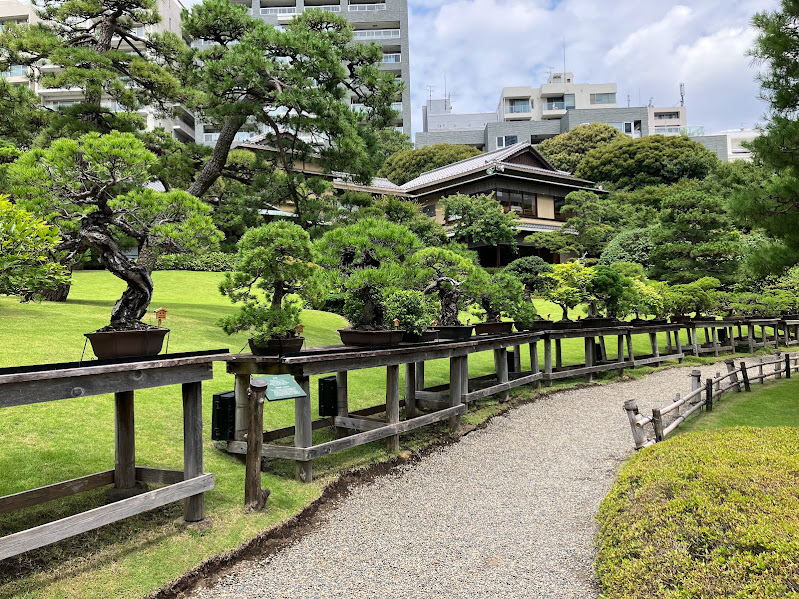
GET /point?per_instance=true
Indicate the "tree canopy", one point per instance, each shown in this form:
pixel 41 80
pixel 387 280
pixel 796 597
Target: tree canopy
pixel 409 164
pixel 567 150
pixel 480 220
pixel 632 163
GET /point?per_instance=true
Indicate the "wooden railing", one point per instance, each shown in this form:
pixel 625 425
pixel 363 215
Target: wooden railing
pixel 648 430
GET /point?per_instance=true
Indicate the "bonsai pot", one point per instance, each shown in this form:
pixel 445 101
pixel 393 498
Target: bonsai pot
pixel 566 324
pixel 127 344
pixel 642 322
pixel 598 321
pixel 537 325
pixel 704 318
pixel 428 335
pixel 680 319
pixel 493 328
pixel 276 347
pixel 364 338
pixel 454 332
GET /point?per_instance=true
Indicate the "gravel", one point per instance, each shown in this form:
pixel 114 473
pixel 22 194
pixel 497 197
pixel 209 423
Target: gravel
pixel 506 512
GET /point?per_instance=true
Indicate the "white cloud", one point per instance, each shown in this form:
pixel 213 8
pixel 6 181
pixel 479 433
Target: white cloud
pixel 648 48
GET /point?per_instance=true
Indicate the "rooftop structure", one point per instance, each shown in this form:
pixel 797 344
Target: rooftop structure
pixel 534 114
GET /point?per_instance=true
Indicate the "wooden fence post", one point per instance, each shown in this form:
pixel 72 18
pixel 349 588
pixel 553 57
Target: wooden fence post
pixel 254 496
pixel 657 424
pixel 745 376
pixel 455 389
pixel 709 395
pixel 778 365
pixel 696 379
pixel 718 381
pixel 410 390
pixel 342 401
pixel 501 367
pixel 632 414
pixel 760 371
pixel 787 365
pixel 733 374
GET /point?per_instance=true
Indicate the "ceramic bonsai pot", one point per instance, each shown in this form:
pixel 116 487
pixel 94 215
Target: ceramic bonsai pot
pixel 566 324
pixel 127 344
pixel 598 321
pixel 537 325
pixel 276 347
pixel 642 322
pixel 493 328
pixel 428 335
pixel 365 338
pixel 680 319
pixel 455 332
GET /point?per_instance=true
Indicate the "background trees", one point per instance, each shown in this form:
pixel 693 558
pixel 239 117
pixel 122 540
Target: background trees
pixel 409 164
pixel 567 150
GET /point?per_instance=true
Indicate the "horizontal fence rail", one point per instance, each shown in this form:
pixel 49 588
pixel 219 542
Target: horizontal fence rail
pixel 648 430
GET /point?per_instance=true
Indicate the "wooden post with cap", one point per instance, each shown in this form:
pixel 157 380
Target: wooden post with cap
pixel 254 496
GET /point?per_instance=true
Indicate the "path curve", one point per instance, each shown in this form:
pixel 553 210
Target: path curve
pixel 506 512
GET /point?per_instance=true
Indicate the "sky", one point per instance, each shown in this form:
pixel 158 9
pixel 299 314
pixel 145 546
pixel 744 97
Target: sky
pixel 647 47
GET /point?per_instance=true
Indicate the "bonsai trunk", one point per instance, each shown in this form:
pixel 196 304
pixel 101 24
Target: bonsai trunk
pixel 449 309
pixel 491 314
pixel 60 293
pixel 565 309
pixel 132 306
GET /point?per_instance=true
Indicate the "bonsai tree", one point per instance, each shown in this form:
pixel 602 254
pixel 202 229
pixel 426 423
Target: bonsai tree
pixel 525 312
pixel 26 244
pixel 694 297
pixel 497 294
pixel 94 189
pixel 607 289
pixel 272 260
pixel 412 310
pixel 365 259
pixel 445 273
pixel 532 271
pixel 571 281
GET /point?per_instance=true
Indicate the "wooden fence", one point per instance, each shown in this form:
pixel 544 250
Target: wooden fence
pixel 648 430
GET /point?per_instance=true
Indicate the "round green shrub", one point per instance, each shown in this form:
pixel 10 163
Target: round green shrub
pixel 632 245
pixel 205 262
pixel 707 514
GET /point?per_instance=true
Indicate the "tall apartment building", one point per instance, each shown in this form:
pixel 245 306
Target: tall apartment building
pixel 383 22
pixel 528 114
pixel 182 126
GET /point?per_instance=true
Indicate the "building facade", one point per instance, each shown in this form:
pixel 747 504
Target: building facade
pixel 533 114
pixel 181 126
pixel 728 144
pixel 383 23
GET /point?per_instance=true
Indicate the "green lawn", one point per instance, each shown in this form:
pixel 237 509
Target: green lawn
pixel 46 443
pixel 773 404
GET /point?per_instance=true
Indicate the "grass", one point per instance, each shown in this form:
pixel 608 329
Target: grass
pixel 705 514
pixel 50 442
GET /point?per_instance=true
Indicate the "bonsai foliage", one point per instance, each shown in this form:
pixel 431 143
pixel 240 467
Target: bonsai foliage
pixel 447 274
pixel 480 220
pixel 272 261
pixel 640 296
pixel 531 271
pixel 567 150
pixel 26 246
pixel 411 308
pixel 364 260
pixel 497 294
pixel 93 189
pixel 409 164
pixel 525 313
pixel 399 212
pixel 571 286
pixel 694 297
pixel 606 288
pixel 252 76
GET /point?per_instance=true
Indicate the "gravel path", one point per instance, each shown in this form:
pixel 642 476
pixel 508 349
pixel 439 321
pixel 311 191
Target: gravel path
pixel 506 512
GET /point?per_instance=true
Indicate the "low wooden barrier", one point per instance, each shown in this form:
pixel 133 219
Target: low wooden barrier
pixel 648 430
pixel 53 382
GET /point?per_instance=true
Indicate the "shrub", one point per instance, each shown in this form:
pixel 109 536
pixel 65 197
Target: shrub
pixel 711 514
pixel 206 262
pixel 633 245
pixel 411 308
pixel 531 271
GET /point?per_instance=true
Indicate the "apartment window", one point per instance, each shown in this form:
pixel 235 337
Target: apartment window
pixel 369 34
pixel 325 7
pixel 623 127
pixel 603 98
pixel 662 116
pixel 280 10
pixel 520 202
pixel 556 103
pixel 392 57
pixel 568 101
pixel 519 106
pixel 15 70
pixel 361 7
pixel 505 141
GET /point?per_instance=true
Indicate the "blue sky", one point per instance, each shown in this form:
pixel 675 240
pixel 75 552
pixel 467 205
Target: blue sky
pixel 647 47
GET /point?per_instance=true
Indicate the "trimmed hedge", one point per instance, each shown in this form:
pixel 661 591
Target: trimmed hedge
pixel 207 262
pixel 707 514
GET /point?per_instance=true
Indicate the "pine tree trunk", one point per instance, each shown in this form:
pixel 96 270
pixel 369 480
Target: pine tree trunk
pixel 213 168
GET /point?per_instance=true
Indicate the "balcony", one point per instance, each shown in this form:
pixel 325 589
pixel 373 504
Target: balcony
pixel 212 138
pixel 553 110
pixel 363 7
pixel 183 130
pixel 15 70
pixel 325 7
pixel 374 34
pixel 393 57
pixel 280 10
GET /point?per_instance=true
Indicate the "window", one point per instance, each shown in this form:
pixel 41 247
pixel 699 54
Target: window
pixel 15 70
pixel 520 202
pixel 568 101
pixel 367 34
pixel 429 210
pixel 392 57
pixel 518 106
pixel 603 98
pixel 559 203
pixel 662 116
pixel 507 140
